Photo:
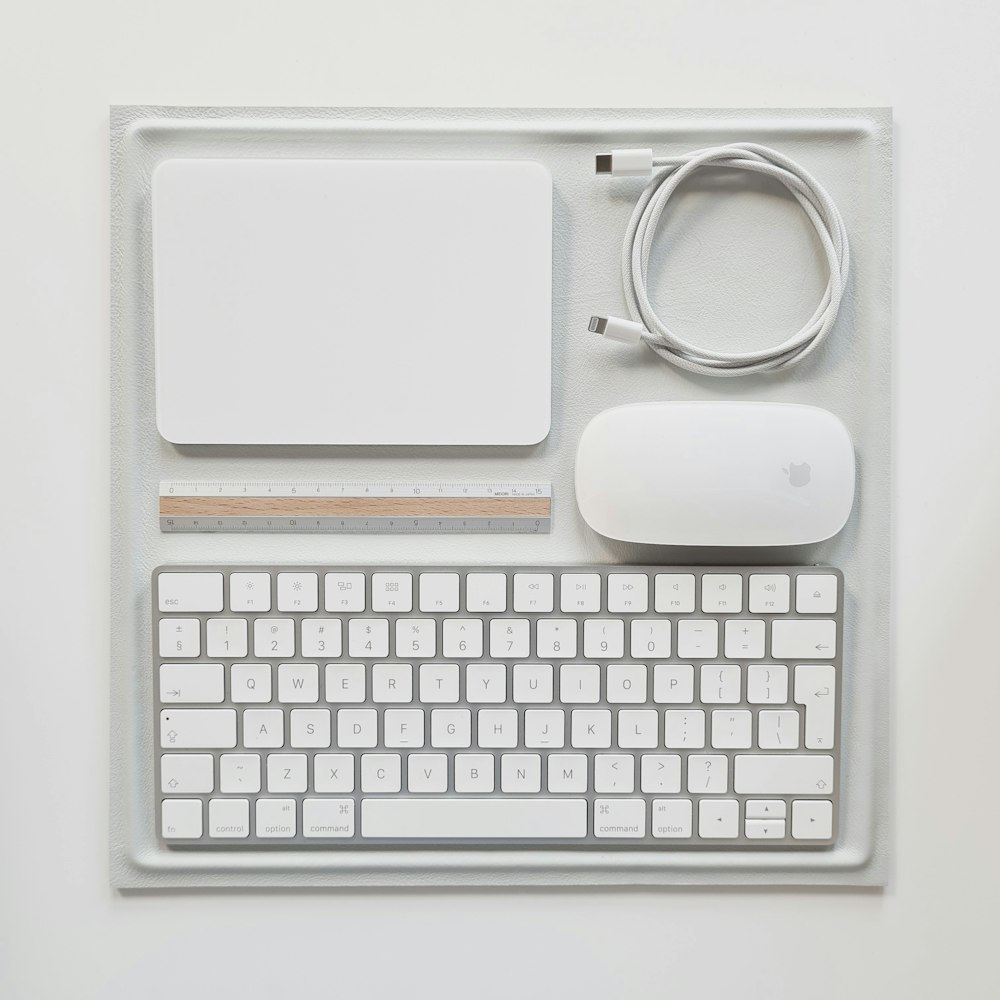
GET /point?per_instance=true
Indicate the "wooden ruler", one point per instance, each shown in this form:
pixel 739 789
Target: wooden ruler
pixel 356 507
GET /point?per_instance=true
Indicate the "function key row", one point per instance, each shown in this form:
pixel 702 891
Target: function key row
pixel 532 593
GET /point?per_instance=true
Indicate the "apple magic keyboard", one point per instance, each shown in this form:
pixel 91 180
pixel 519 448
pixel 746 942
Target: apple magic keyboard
pixel 599 706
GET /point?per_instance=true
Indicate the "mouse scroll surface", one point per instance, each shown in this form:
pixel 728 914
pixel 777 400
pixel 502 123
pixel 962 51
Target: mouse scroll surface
pixel 401 302
pixel 725 474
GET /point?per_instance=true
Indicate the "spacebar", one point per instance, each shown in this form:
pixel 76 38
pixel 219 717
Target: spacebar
pixel 501 819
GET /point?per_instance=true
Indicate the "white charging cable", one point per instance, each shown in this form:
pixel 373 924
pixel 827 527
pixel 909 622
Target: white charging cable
pixel 667 173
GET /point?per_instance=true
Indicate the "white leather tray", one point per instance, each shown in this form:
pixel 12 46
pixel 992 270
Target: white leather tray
pixel 742 263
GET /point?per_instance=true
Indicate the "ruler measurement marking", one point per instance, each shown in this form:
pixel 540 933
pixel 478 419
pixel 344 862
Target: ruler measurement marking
pixel 368 507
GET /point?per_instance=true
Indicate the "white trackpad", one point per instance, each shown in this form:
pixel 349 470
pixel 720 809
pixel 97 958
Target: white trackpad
pixel 352 301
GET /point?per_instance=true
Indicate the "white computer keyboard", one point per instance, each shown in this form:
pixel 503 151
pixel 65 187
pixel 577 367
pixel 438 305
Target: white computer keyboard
pixel 681 707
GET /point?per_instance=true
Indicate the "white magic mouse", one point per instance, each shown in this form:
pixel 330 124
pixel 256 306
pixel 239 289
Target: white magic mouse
pixel 716 473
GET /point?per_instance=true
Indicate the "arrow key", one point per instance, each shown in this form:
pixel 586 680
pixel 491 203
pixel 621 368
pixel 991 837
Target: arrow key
pixel 766 809
pixel 765 829
pixel 812 819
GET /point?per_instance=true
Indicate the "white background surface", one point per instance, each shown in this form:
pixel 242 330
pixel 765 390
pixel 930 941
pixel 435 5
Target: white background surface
pixel 64 933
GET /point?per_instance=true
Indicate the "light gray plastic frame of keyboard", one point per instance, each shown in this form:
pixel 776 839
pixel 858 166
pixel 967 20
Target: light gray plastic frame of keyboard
pixel 849 149
pixel 590 841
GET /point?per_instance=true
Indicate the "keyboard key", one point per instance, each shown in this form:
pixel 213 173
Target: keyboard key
pixel 190 591
pixel 555 638
pixel 784 774
pixel 638 729
pixel 250 592
pixel 520 772
pixel 533 593
pixel 486 592
pixel 567 772
pixel 650 638
pixel 333 772
pixel 485 683
pixel 298 592
pixel 439 592
pixel 192 682
pixel 427 772
pixel 660 773
pixel 189 773
pixel 226 637
pixel 744 639
pixel 767 684
pixel 403 727
pixel 604 638
pixel 392 592
pixel 286 772
pixel 240 773
pixel 368 638
pixel 381 772
pixel 765 809
pixel 626 683
pixel 672 818
pixel 812 819
pixel 544 728
pixel 579 593
pixel 497 728
pixel 229 818
pixel 722 593
pixel 344 592
pixel 451 727
pixel 732 730
pixel 478 819
pixel 804 639
pixel 708 774
pixel 345 682
pixel 275 818
pixel 274 637
pixel 416 638
pixel 509 638
pixel 673 683
pixel 580 683
pixel 250 682
pixel 620 818
pixel 357 727
pixel 182 819
pixel 392 683
pixel 180 637
pixel 298 682
pixel 474 772
pixel 264 727
pixel 816 687
pixel 309 727
pixel 719 819
pixel 684 730
pixel 591 728
pixel 816 594
pixel 765 829
pixel 438 683
pixel 328 818
pixel 614 772
pixel 533 683
pixel 698 639
pixel 778 730
pixel 628 593
pixel 462 638
pixel 769 593
pixel 197 728
pixel 720 683
pixel 673 593
pixel 322 637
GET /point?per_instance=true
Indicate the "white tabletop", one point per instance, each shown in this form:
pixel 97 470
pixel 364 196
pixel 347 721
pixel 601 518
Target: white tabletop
pixel 65 933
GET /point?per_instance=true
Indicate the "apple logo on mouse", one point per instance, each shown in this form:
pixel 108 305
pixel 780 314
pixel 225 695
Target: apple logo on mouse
pixel 798 473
